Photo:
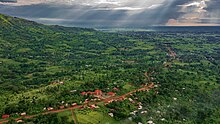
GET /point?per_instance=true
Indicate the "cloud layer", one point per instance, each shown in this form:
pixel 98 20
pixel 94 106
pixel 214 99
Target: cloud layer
pixel 9 1
pixel 196 12
pixel 116 13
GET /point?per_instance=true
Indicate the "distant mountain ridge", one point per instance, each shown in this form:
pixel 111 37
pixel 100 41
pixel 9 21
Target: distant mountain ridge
pixel 165 29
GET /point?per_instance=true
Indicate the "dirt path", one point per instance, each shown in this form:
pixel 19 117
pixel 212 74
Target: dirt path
pixel 74 117
pixel 107 100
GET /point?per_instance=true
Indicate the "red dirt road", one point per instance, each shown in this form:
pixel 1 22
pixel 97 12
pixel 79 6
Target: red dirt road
pixel 107 100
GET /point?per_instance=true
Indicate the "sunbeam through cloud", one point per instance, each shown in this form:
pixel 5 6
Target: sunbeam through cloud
pixel 120 13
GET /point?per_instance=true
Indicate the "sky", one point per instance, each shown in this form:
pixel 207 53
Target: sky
pixel 116 13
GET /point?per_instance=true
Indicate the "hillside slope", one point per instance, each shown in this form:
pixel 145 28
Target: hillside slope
pixel 28 47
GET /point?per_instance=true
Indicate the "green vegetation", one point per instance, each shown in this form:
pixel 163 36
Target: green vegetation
pixel 50 119
pixel 50 66
pixel 94 118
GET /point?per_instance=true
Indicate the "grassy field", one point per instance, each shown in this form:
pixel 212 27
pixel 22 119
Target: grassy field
pixel 94 117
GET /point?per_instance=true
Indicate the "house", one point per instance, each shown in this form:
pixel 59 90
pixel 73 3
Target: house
pixel 140 107
pixel 175 99
pixel 83 93
pixel 98 92
pixel 111 94
pixel 86 101
pixel 130 99
pixel 111 114
pixel 50 109
pixel 73 91
pixel 23 114
pixel 121 98
pixel 115 88
pixel 74 104
pixel 62 107
pixel 143 112
pixel 110 101
pixel 5 116
pixel 139 103
pixel 93 106
pixel 150 122
pixel 20 121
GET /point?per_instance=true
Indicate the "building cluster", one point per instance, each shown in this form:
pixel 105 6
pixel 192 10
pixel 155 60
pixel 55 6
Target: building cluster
pixel 98 93
pixel 8 116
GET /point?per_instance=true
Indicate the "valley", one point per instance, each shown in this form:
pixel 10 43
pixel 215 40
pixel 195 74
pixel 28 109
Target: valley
pixel 47 71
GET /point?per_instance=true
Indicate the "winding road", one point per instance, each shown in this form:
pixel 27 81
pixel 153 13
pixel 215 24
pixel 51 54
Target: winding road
pixel 107 100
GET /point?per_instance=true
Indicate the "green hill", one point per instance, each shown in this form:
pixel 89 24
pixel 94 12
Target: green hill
pixel 28 48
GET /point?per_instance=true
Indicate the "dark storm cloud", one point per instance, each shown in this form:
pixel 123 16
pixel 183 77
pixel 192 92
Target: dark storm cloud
pixel 103 13
pixel 78 15
pixel 14 1
pixel 66 15
pixel 214 9
pixel 90 16
pixel 213 5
